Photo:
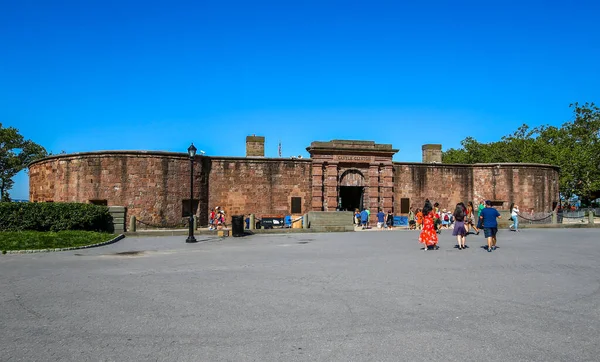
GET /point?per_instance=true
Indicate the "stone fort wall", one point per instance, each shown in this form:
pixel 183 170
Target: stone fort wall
pixel 155 186
pixel 259 186
pixel 151 185
pixel 531 186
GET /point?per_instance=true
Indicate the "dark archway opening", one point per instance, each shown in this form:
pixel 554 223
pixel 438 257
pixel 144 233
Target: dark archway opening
pixel 351 197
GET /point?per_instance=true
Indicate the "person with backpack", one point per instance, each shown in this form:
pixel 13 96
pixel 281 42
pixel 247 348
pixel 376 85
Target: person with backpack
pixel 459 226
pixel 445 219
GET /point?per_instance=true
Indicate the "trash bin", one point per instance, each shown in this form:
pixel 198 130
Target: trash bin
pixel 237 225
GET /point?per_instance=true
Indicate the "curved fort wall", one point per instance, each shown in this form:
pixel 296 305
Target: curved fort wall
pixel 155 186
pixel 531 186
pixel 151 185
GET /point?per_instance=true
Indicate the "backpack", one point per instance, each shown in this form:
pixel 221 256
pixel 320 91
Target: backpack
pixel 446 218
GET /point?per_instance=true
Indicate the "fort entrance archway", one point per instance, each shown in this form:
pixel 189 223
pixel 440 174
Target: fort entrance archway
pixel 351 174
pixel 351 190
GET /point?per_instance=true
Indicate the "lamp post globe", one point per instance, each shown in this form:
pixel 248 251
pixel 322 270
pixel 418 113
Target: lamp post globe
pixel 191 153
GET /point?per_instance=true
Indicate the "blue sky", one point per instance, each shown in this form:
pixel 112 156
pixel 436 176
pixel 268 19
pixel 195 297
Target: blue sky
pixel 93 75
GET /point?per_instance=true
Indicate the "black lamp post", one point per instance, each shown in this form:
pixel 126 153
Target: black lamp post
pixel 192 153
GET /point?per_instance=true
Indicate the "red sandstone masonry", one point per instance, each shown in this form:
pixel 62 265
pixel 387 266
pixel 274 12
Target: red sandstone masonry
pixel 259 186
pixel 529 186
pixel 152 185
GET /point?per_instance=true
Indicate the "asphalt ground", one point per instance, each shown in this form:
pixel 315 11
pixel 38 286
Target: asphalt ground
pixel 363 296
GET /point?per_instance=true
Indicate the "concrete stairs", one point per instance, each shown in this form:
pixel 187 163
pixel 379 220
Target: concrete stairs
pixel 330 221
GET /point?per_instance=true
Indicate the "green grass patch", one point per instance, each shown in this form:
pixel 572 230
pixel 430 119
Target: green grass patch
pixel 29 240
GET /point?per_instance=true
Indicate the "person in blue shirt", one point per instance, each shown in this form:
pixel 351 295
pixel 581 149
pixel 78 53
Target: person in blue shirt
pixel 364 218
pixel 380 219
pixel 489 217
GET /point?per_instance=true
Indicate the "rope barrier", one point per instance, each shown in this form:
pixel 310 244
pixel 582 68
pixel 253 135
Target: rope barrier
pixel 525 218
pixel 572 217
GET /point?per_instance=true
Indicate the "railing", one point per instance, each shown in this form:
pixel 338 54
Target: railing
pixel 572 217
pixel 577 216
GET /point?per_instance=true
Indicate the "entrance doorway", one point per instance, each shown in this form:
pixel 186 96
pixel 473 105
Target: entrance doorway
pixel 351 197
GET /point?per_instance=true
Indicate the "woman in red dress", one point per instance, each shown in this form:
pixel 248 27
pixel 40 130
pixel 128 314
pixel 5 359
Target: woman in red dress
pixel 428 236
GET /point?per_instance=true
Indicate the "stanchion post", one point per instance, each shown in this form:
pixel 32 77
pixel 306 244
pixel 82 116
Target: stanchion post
pixel 132 224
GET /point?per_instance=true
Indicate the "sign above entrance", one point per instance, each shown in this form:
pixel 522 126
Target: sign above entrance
pixel 349 158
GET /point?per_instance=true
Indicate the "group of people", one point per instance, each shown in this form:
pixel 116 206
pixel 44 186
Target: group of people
pixel 443 219
pixel 361 219
pixel 464 219
pixel 216 219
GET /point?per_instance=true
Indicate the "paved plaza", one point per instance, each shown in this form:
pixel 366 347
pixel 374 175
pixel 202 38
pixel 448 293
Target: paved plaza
pixel 363 296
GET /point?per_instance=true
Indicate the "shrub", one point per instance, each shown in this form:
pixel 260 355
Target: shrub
pixel 50 216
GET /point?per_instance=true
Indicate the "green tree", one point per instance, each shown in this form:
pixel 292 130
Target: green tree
pixel 578 153
pixel 574 147
pixel 15 154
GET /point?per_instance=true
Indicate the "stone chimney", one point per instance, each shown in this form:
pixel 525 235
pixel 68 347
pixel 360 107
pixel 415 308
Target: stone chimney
pixel 432 153
pixel 255 146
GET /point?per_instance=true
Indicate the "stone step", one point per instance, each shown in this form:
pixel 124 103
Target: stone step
pixel 330 221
